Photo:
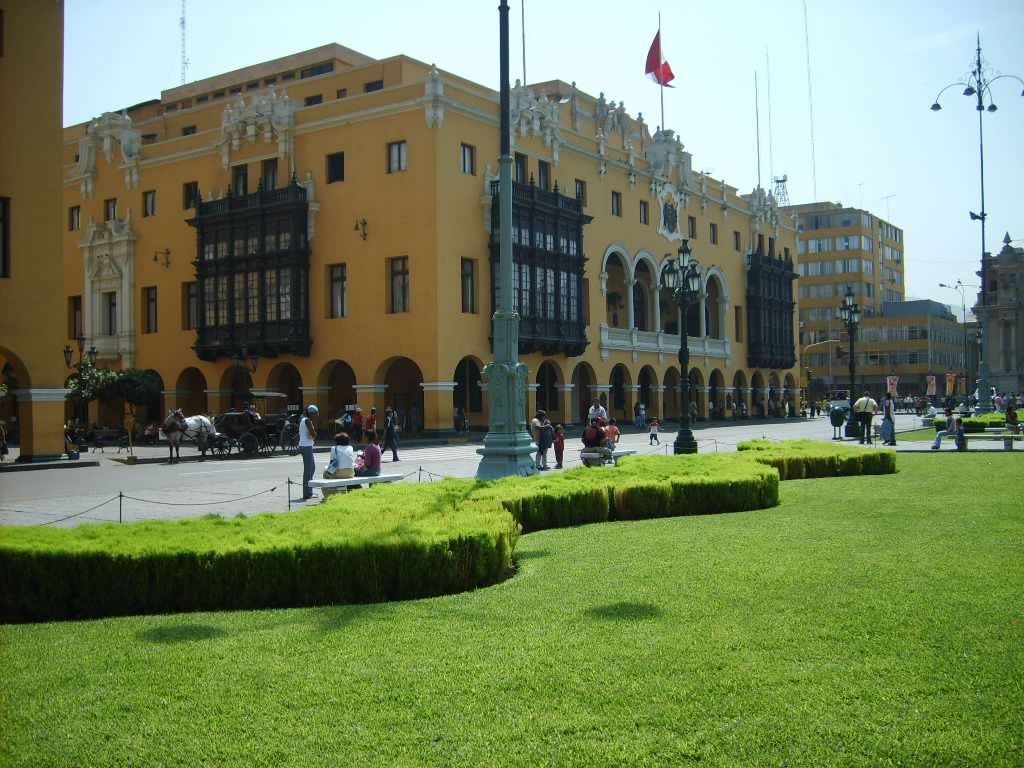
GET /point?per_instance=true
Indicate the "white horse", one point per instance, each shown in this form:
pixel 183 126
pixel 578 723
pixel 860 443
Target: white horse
pixel 177 427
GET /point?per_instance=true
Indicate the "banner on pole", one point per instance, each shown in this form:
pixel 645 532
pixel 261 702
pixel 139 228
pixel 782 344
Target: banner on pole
pixel 891 383
pixel 950 383
pixel 931 386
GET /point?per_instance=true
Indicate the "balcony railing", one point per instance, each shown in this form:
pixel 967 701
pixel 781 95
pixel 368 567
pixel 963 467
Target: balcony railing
pixel 658 342
pixel 292 193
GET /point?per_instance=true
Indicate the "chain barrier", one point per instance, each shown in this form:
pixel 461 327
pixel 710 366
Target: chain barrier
pixel 79 514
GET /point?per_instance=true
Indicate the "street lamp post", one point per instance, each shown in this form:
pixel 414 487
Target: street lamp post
pixel 849 313
pixel 978 83
pixel 86 362
pixel 961 287
pixel 683 280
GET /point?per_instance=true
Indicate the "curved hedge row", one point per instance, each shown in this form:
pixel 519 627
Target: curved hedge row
pixel 388 542
pixel 804 459
pixel 974 424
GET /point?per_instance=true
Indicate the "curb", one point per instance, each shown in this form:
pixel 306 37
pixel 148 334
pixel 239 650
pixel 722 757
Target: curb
pixel 65 464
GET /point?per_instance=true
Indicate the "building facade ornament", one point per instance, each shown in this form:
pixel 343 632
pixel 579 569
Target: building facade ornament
pixel 536 115
pixel 108 307
pixel 434 92
pixel 270 114
pixel 670 202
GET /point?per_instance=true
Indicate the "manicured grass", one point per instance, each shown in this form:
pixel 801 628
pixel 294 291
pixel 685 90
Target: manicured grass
pixel 863 621
pixel 917 435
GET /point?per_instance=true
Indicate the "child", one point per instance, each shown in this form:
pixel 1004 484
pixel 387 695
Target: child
pixel 559 444
pixel 612 433
pixel 654 433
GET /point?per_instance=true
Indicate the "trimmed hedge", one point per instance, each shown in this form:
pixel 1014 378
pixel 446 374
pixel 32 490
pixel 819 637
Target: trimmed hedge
pixel 387 542
pixel 802 459
pixel 974 424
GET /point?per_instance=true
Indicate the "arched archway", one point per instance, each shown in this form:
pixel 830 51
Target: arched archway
pixel 583 380
pixel 467 394
pixel 739 383
pixel 236 383
pixel 616 296
pixel 716 396
pixel 548 397
pixel 190 392
pixel 757 395
pixel 671 396
pixel 14 374
pixel 697 394
pixel 340 380
pixel 620 405
pixel 644 296
pixel 714 303
pixel 403 379
pixel 286 379
pixel 790 394
pixel 647 380
pixel 774 395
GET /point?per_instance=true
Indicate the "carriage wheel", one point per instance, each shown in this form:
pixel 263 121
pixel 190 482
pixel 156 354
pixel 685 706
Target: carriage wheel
pixel 248 444
pixel 220 447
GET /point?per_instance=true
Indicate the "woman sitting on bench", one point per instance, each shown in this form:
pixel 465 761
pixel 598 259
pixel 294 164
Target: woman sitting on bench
pixel 342 463
pixel 369 461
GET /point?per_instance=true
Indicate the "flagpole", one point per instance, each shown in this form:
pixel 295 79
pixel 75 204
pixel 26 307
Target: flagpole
pixel 661 85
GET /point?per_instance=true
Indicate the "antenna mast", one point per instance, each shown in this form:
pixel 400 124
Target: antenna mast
pixel 184 60
pixel 810 104
pixel 757 124
pixel 771 143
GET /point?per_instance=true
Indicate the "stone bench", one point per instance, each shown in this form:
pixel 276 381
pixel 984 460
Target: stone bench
pixel 348 482
pixel 1006 437
pixel 591 457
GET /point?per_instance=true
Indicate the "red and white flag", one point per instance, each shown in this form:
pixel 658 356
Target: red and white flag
pixel 657 68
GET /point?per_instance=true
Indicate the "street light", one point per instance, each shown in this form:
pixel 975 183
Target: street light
pixel 962 287
pixel 86 362
pixel 849 313
pixel 682 279
pixel 979 84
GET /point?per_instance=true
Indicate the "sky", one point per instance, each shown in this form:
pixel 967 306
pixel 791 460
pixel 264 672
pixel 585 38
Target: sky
pixel 876 67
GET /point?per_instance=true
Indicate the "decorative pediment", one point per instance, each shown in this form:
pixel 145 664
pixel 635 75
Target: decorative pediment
pixel 434 92
pixel 763 210
pixel 536 115
pixel 667 158
pixel 670 202
pixel 269 115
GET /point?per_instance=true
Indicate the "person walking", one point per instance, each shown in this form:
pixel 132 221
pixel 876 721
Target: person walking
pixel 643 416
pixel 864 410
pixel 391 433
pixel 888 420
pixel 653 439
pixel 547 439
pixel 597 411
pixel 307 438
pixel 559 443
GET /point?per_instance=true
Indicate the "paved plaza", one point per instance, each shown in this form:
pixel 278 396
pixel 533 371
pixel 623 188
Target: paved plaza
pixel 112 490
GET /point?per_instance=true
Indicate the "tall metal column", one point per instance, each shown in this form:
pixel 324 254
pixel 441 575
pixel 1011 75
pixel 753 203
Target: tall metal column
pixel 507 446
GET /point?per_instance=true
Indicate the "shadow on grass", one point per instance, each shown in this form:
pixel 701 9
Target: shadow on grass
pixel 625 611
pixel 180 633
pixel 534 554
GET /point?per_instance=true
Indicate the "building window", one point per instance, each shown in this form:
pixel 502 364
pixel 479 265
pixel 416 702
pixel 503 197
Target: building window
pixel 312 101
pixel 287 76
pixel 691 227
pixel 544 175
pixel 338 282
pixel 736 244
pixel 714 234
pixel 148 138
pixel 519 168
pixel 110 209
pixel 269 173
pixel 74 218
pixel 188 130
pixel 341 93
pixel 469 286
pixel 335 167
pixel 398 283
pixel 616 203
pixel 189 194
pixel 189 306
pixel 319 69
pixel 218 94
pixel 397 157
pixel 110 313
pixel 581 191
pixel 149 203
pixel 74 317
pixel 468 159
pixel 240 180
pixel 149 308
pixel 739 324
pixel 645 212
pixel 373 85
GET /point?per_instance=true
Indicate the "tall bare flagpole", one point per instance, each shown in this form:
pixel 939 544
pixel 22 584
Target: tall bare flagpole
pixel 661 85
pixel 522 24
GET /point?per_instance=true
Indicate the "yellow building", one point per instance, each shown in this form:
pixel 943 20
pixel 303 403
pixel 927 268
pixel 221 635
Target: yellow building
pixel 840 247
pixel 334 216
pixel 31 290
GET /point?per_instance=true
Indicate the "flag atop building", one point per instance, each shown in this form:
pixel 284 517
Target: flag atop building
pixel 657 68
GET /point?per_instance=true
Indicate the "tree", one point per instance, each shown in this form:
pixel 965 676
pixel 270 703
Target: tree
pixel 134 386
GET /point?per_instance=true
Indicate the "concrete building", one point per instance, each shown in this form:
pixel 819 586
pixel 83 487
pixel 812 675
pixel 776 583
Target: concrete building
pixel 31 290
pixel 335 215
pixel 1000 310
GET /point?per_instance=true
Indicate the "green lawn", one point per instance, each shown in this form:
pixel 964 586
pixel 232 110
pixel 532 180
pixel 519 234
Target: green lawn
pixel 917 435
pixel 864 621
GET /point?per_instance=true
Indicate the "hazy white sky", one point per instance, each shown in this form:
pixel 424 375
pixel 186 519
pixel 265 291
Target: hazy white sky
pixel 876 67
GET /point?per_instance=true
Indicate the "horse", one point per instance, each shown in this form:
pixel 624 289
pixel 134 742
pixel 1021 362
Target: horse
pixel 177 427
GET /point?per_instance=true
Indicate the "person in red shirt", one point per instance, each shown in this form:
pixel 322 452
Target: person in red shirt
pixel 612 433
pixel 371 424
pixel 368 464
pixel 559 444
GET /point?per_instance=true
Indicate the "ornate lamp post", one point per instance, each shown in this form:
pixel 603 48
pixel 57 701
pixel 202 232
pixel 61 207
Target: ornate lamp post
pixel 682 279
pixel 507 445
pixel 86 362
pixel 978 84
pixel 849 313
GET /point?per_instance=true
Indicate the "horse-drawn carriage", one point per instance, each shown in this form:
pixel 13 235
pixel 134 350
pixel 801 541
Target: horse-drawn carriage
pixel 250 433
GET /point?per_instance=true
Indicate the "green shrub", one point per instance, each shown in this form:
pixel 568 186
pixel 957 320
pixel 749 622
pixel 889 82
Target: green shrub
pixel 974 424
pixel 800 459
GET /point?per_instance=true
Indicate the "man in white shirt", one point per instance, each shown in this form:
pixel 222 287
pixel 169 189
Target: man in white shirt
pixel 864 410
pixel 597 411
pixel 307 437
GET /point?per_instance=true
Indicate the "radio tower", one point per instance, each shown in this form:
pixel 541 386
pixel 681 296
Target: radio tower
pixel 184 60
pixel 781 195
